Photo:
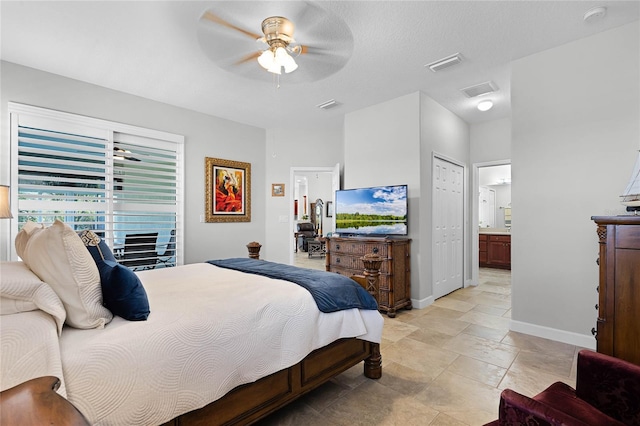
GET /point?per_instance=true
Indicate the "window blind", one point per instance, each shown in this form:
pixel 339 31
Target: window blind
pixel 122 182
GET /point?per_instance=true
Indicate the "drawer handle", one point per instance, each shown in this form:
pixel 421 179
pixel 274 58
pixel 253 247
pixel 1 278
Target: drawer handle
pixel 337 246
pixel 598 289
pixel 597 306
pixel 594 332
pixel 338 260
pixel 598 261
pixel 375 250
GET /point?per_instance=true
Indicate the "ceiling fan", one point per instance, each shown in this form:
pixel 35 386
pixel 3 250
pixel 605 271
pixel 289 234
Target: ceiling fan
pixel 227 43
pixel 278 36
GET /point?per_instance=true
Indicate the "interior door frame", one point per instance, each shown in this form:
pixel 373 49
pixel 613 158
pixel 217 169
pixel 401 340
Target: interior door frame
pixel 475 215
pixel 335 183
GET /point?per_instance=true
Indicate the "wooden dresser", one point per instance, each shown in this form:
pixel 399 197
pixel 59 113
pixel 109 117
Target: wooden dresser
pixel 343 255
pixel 618 324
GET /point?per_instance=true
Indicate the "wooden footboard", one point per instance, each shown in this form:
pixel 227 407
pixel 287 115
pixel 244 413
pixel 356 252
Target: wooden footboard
pixel 248 403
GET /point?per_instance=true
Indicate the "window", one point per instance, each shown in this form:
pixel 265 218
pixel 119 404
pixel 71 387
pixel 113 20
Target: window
pixel 123 182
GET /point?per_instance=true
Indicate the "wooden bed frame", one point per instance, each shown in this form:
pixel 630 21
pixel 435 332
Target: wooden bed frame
pixel 37 402
pixel 249 403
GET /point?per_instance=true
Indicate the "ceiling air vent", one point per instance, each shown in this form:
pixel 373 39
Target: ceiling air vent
pixel 328 104
pixel 479 89
pixel 443 63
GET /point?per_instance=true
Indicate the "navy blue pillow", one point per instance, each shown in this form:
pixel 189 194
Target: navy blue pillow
pixel 122 291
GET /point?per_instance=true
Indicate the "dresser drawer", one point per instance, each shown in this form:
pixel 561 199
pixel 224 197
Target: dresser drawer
pixel 347 261
pixel 501 238
pixel 359 248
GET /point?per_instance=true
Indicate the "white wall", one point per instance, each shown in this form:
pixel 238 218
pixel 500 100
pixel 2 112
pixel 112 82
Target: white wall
pixel 392 143
pixel 205 136
pixel 490 141
pixel 293 147
pixel 576 131
pixel 445 134
pixel 382 147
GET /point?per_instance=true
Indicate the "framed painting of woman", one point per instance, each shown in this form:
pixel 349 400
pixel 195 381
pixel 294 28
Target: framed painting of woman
pixel 228 190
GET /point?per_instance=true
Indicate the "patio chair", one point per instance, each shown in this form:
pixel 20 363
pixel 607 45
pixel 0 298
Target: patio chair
pixel 140 251
pixel 168 257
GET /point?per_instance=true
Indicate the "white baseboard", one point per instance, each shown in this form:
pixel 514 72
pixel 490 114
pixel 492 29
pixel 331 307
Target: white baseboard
pixel 581 340
pixel 422 303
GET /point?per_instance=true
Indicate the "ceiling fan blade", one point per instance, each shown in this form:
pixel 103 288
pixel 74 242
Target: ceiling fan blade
pixel 248 58
pixel 300 49
pixel 216 19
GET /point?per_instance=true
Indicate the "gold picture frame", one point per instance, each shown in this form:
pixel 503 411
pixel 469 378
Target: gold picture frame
pixel 228 190
pixel 277 189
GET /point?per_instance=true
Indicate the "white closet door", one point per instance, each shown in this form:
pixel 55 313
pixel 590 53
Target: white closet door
pixel 448 225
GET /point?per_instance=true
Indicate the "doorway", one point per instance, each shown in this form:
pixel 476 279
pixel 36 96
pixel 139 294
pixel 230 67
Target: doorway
pixel 448 226
pixel 311 184
pixel 490 179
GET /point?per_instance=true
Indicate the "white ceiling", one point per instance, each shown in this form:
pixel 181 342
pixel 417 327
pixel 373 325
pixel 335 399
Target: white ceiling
pixel 152 49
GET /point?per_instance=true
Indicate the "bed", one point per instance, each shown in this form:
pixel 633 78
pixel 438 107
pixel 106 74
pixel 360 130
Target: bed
pixel 220 347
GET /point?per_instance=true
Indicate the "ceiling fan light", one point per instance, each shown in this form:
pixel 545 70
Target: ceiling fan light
pixel 281 56
pixel 290 65
pixel 266 59
pixel 275 68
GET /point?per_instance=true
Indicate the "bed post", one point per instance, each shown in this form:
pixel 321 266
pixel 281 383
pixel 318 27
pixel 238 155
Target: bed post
pixel 254 249
pixel 372 263
pixel 373 364
pixel 370 280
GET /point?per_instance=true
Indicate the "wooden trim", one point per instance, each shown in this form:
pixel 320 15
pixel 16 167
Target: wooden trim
pixel 249 403
pixel 36 402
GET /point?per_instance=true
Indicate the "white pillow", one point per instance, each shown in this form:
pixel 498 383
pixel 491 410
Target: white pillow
pixel 28 229
pixel 21 291
pixel 57 255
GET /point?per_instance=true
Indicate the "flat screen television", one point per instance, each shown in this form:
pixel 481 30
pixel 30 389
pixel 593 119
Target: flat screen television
pixel 375 211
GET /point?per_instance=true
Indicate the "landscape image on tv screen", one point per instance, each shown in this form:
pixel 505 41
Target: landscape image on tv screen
pixel 380 210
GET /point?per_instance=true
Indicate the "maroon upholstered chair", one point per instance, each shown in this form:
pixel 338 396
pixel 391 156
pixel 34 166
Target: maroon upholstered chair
pixel 607 393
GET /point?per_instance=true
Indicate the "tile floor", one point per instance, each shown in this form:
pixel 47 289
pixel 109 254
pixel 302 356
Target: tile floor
pixel 442 365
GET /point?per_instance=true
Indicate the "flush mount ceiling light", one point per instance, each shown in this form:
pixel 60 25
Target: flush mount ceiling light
pixel 595 13
pixel 485 105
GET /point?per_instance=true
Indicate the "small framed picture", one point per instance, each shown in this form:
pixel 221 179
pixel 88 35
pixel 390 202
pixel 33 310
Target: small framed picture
pixel 277 189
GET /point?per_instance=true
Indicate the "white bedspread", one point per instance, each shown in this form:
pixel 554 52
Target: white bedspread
pixel 29 348
pixel 210 330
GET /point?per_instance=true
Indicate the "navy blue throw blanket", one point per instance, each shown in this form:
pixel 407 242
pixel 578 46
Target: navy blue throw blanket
pixel 332 292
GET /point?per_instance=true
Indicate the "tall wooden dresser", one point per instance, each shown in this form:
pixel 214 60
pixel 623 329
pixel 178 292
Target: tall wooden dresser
pixel 618 325
pixel 344 257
